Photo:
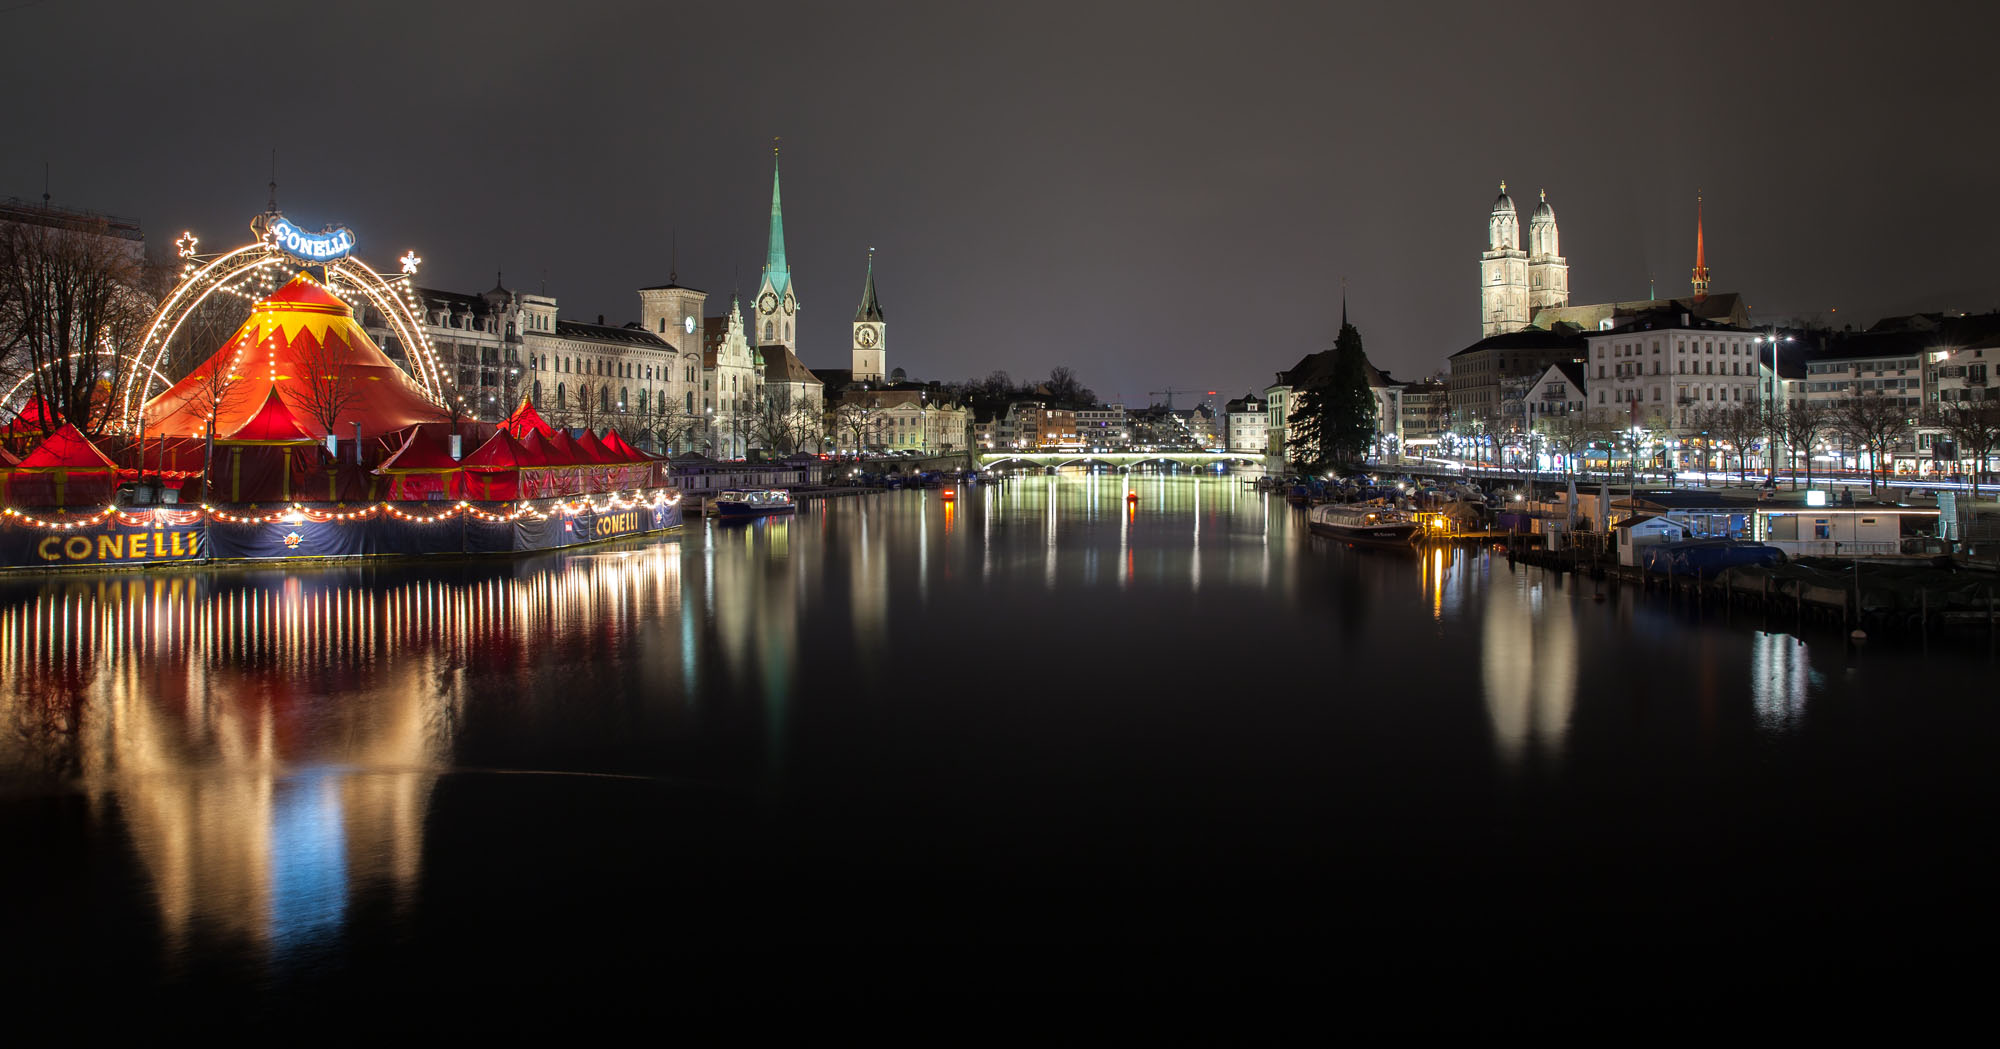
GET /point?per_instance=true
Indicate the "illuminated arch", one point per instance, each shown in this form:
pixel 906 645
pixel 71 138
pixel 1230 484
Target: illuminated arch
pixel 394 299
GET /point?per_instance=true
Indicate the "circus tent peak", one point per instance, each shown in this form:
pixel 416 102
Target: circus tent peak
pixel 525 420
pixel 66 449
pixel 273 424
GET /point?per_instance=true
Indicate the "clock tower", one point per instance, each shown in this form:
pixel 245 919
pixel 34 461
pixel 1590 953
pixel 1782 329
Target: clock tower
pixel 869 332
pixel 774 312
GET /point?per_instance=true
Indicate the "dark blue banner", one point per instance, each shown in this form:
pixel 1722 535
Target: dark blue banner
pixel 109 542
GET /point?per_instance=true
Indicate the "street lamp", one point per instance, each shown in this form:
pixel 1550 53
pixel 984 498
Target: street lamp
pixel 1771 408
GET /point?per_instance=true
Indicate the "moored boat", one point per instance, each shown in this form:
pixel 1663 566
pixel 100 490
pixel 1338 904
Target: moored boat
pixel 1361 523
pixel 754 503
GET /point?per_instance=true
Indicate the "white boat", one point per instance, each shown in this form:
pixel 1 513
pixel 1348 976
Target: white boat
pixel 1362 523
pixel 754 503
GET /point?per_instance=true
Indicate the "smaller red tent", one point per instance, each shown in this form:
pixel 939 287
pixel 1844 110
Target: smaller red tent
pixel 493 470
pixel 31 417
pixel 65 469
pixel 526 420
pixel 273 424
pixel 421 468
pixel 618 446
pixel 595 451
pixel 257 460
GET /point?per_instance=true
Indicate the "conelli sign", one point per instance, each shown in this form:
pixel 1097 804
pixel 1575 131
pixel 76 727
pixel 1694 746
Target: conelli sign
pixel 323 245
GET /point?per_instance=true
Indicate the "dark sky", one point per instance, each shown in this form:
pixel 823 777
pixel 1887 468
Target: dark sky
pixel 1152 193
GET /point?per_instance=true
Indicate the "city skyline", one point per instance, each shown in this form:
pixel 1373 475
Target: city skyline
pixel 1157 203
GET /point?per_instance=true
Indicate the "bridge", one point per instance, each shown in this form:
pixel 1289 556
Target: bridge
pixel 1116 460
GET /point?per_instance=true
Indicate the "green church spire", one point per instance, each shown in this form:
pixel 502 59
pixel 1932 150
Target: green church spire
pixel 775 271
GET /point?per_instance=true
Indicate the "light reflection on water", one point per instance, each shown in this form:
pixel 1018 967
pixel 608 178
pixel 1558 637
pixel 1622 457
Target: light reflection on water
pixel 270 742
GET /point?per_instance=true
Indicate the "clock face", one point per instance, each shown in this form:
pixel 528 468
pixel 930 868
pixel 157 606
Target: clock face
pixel 866 337
pixel 768 303
pixel 687 325
pixel 790 304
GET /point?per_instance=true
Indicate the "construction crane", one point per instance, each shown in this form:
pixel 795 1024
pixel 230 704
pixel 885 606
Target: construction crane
pixel 1169 392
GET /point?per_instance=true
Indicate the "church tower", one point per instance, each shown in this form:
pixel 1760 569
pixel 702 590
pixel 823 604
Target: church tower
pixel 1700 255
pixel 869 332
pixel 776 305
pixel 1548 271
pixel 1503 271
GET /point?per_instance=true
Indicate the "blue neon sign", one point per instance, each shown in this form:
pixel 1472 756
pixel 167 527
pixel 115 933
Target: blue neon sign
pixel 324 245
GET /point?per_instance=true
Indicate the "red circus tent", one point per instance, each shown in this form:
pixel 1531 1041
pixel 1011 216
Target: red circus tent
pixel 526 420
pixel 618 447
pixel 423 466
pixel 493 470
pixel 594 450
pixel 303 344
pixel 63 470
pixel 259 458
pixel 564 452
pixel 31 417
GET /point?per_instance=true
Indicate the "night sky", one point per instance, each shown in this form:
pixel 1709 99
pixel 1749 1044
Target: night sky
pixel 1151 193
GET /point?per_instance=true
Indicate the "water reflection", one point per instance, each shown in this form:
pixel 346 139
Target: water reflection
pixel 281 749
pixel 1528 657
pixel 269 742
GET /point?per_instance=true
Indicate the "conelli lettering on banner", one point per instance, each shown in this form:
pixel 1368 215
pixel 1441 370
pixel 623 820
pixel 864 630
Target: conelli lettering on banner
pixel 612 524
pixel 326 244
pixel 135 546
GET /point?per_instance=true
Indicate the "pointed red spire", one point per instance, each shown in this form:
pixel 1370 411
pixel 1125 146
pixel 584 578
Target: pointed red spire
pixel 1700 255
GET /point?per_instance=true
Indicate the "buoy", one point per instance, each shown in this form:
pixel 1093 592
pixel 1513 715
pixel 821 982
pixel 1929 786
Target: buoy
pixel 949 494
pixel 1131 497
pixel 1859 635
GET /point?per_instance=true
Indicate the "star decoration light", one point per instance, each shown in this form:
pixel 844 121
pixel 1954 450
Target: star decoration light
pixel 410 261
pixel 184 244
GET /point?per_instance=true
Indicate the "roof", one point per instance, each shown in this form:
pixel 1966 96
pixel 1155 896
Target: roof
pixel 1572 371
pixel 612 333
pixel 784 366
pixel 1721 305
pixel 871 308
pixel 1666 319
pixel 66 449
pixel 776 271
pixel 671 286
pixel 1527 339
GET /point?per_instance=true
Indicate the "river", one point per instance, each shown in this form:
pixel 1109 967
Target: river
pixel 1041 744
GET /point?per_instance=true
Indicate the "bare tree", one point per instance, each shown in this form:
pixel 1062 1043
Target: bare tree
pixel 590 405
pixel 1735 425
pixel 72 309
pixel 1804 426
pixel 1875 425
pixel 1566 435
pixel 1974 426
pixel 859 425
pixel 327 385
pixel 674 429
